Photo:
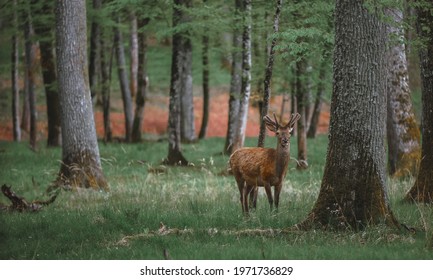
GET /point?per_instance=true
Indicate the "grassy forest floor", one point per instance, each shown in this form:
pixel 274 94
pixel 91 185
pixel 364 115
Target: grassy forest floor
pixel 187 212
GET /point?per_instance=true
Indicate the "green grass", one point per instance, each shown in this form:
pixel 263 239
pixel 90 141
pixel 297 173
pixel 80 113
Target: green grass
pixel 89 225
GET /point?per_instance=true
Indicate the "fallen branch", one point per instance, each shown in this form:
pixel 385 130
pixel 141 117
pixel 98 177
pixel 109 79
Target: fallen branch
pixel 164 231
pixel 20 204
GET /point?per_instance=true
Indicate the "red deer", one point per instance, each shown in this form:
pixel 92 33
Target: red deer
pixel 263 167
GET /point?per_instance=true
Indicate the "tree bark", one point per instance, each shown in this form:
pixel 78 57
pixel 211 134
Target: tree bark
pixel 30 51
pixel 185 53
pixel 140 98
pixel 124 82
pixel 14 77
pixel 235 83
pixel 133 53
pixel 205 61
pixel 95 48
pixel 81 165
pixel 422 190
pixel 301 89
pixel 312 130
pixel 175 156
pixel 106 69
pixel 403 135
pixel 246 77
pixel 268 77
pixel 353 190
pixel 44 30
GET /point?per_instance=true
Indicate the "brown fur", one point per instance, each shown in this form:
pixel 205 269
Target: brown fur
pixel 263 167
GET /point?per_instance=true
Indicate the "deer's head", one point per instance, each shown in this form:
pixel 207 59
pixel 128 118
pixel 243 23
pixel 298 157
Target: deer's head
pixel 282 132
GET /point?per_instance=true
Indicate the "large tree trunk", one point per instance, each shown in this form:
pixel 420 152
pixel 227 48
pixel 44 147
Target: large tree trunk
pixel 175 156
pixel 205 61
pixel 268 77
pixel 14 77
pixel 140 98
pixel 95 48
pixel 124 82
pixel 246 77
pixel 403 135
pixel 44 30
pixel 235 84
pixel 422 190
pixel 81 165
pixel 185 53
pixel 353 191
pixel 30 50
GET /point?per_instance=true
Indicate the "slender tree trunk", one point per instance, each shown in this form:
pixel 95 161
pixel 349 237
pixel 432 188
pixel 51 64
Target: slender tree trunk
pixel 235 84
pixel 133 52
pixel 186 97
pixel 246 78
pixel 205 61
pixel 30 50
pixel 124 83
pixel 403 135
pixel 353 191
pixel 44 30
pixel 422 190
pixel 14 77
pixel 268 76
pixel 81 165
pixel 301 109
pixel 106 69
pixel 140 98
pixel 94 57
pixel 293 100
pixel 312 130
pixel 175 156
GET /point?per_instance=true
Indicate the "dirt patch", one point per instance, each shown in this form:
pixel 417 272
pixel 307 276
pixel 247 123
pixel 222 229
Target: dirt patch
pixel 156 118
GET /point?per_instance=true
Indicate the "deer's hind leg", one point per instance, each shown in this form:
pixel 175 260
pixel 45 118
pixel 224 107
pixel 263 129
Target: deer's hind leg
pixel 268 191
pixel 242 186
pixel 253 197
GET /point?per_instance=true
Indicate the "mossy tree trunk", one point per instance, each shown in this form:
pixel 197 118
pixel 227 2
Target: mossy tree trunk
pixel 81 166
pixel 403 135
pixel 422 190
pixel 353 190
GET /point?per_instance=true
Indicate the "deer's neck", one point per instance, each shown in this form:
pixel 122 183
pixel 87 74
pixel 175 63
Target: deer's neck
pixel 282 161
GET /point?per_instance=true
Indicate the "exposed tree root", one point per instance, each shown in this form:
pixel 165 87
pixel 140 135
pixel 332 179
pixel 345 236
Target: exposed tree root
pixel 20 204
